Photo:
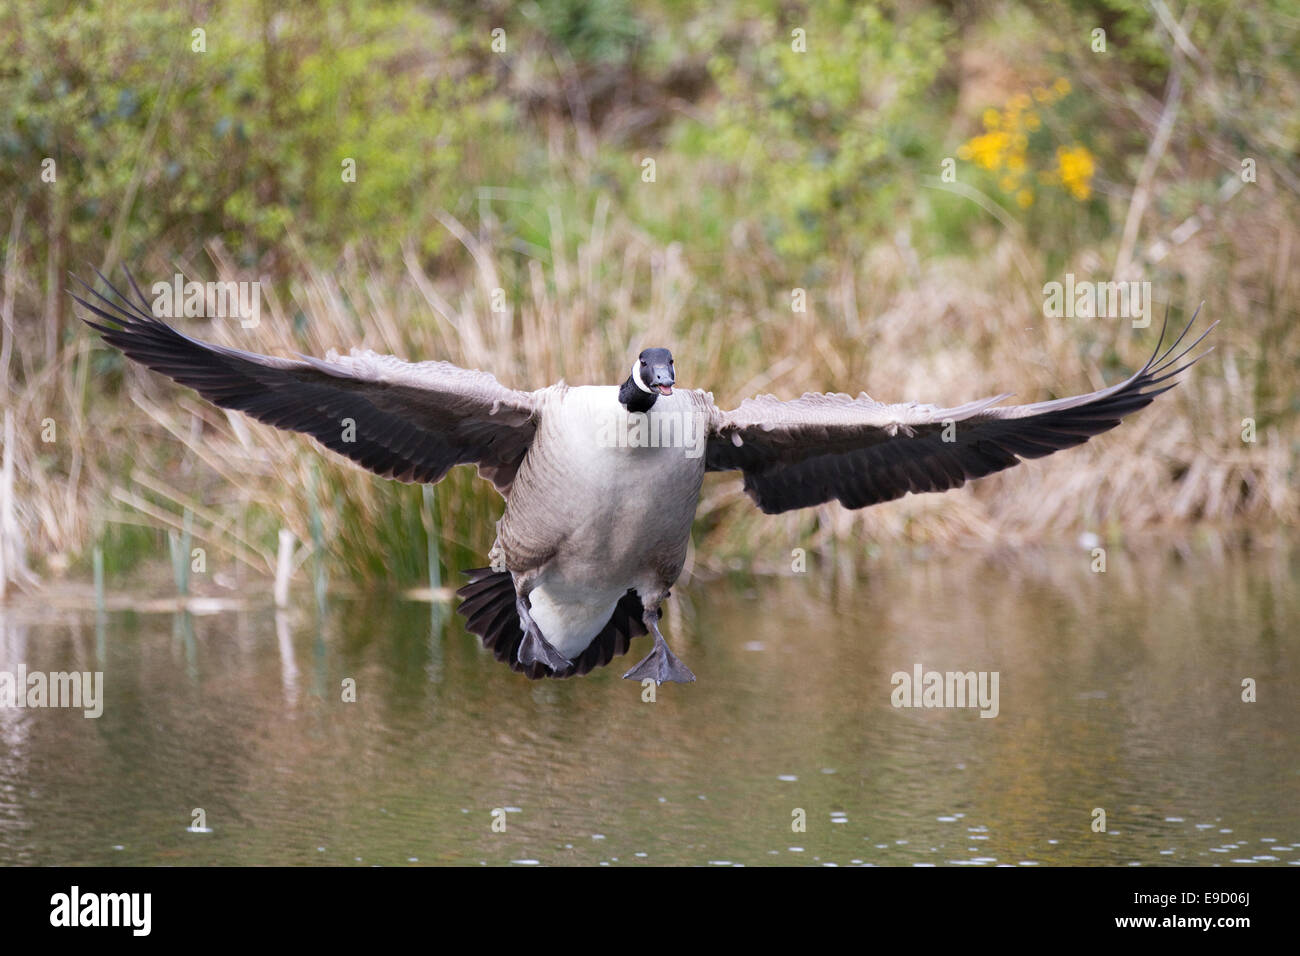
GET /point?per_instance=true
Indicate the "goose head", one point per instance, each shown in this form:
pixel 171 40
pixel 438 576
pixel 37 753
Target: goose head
pixel 652 376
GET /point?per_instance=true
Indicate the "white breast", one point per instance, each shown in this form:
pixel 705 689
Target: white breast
pixel 627 448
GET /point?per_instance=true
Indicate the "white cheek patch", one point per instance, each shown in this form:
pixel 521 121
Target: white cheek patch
pixel 636 377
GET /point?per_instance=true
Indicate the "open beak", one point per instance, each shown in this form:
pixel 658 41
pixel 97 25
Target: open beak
pixel 662 379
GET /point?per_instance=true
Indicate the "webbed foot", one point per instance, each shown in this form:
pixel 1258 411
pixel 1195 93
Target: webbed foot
pixel 660 664
pixel 535 648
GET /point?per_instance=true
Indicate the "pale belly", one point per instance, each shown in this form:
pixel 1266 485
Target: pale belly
pixel 613 499
pixel 570 620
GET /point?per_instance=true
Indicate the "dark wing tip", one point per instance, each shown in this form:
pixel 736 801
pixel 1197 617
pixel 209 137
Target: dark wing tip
pixel 126 316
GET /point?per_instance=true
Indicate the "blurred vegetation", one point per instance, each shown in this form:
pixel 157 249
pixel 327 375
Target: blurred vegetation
pixel 792 145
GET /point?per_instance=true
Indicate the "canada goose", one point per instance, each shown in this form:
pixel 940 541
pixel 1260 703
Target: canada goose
pixel 601 482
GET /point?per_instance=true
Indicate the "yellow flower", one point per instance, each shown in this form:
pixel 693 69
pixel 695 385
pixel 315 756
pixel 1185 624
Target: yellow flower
pixel 1075 166
pixel 1004 148
pixel 988 149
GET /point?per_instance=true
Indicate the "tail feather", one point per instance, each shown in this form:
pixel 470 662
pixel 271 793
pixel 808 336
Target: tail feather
pixel 486 597
pixel 488 606
pixel 479 583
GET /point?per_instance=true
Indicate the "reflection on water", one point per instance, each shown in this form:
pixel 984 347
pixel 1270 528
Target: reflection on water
pixel 1120 691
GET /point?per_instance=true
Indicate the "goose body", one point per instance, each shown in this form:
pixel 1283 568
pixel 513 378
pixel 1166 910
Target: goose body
pixel 601 483
pixel 623 518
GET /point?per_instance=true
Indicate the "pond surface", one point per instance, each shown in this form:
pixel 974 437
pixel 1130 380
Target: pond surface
pixel 1119 691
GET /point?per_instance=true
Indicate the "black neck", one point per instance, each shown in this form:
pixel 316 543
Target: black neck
pixel 634 399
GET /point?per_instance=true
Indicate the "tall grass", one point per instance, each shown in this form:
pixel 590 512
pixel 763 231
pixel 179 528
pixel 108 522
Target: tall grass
pixel 135 450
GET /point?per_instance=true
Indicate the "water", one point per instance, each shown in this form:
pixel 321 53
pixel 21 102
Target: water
pixel 1120 691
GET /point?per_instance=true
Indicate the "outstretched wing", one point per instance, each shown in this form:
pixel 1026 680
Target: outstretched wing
pixel 405 420
pixel 860 452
